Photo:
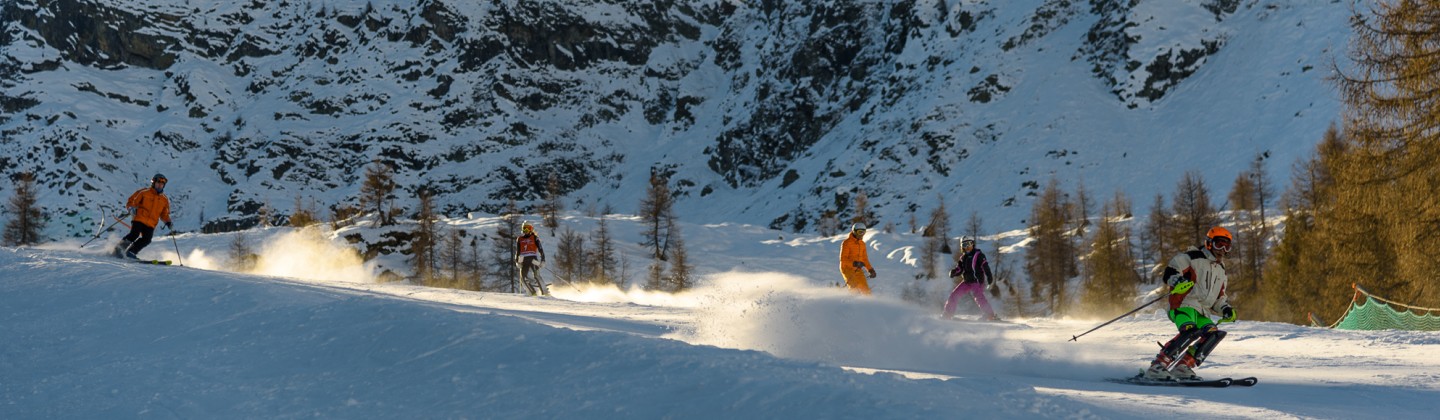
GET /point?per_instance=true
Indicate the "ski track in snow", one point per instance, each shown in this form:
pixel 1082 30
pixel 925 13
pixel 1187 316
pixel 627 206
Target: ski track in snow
pixel 91 336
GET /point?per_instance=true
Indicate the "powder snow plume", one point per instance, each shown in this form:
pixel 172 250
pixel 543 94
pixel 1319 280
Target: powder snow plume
pixel 305 254
pixel 300 254
pixel 790 316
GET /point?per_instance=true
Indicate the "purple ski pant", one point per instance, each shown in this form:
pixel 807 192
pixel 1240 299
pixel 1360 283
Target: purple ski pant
pixel 976 289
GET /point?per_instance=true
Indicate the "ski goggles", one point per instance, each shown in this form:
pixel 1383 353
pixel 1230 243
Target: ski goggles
pixel 1220 244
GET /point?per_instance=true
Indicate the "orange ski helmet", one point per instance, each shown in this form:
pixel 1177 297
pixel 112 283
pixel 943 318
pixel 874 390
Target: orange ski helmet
pixel 1218 233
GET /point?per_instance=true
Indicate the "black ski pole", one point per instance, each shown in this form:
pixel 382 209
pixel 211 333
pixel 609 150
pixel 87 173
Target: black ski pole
pixel 178 257
pixel 1162 297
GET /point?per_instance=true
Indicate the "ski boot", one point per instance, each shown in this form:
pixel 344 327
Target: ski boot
pixel 1158 371
pixel 121 248
pixel 1185 370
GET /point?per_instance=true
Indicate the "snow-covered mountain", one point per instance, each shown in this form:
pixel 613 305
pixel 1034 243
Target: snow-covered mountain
pixel 761 112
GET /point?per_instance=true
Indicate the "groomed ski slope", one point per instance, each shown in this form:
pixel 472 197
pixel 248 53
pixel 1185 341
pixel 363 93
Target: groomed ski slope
pixel 87 336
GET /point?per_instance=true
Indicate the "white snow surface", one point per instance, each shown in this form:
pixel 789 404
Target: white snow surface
pixel 762 336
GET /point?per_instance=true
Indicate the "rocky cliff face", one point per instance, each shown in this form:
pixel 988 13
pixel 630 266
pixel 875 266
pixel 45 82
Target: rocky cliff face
pixel 768 112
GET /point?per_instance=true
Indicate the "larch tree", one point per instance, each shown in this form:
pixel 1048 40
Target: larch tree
pixel 1051 260
pixel 1156 245
pixel 682 271
pixel 27 219
pixel 423 241
pixel 862 211
pixel 475 265
pixel 450 258
pixel 1295 278
pixel 570 255
pixel 503 268
pixel 937 240
pixel 550 213
pixel 376 190
pixel 603 257
pixel 1385 185
pixel 657 213
pixel 304 214
pixel 1194 214
pixel 1109 278
pixel 1246 262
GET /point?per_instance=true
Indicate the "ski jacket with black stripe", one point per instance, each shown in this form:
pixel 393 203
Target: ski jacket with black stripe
pixel 1200 266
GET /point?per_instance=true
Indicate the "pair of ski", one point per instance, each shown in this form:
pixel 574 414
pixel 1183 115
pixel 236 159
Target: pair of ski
pixel 150 262
pixel 1140 379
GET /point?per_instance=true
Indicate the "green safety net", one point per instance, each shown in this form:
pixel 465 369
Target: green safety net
pixel 1368 312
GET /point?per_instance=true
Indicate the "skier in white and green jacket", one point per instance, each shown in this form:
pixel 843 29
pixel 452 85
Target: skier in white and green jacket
pixel 1197 290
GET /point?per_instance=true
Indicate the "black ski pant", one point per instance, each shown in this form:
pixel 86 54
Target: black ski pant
pixel 529 268
pixel 139 236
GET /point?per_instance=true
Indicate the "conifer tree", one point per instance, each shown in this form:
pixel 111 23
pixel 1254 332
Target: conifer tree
pixel 1193 211
pixel 1386 208
pixel 264 216
pixel 974 225
pixel 342 215
pixel 828 225
pixel 930 257
pixel 570 255
pixel 423 241
pixel 1295 278
pixel 1051 261
pixel 450 257
pixel 475 262
pixel 682 272
pixel 303 215
pixel 1245 264
pixel 241 254
pixel 375 192
pixel 656 211
pixel 603 259
pixel 502 250
pixel 862 210
pixel 551 212
pixel 27 220
pixel 1109 277
pixel 655 276
pixel 937 241
pixel 1157 246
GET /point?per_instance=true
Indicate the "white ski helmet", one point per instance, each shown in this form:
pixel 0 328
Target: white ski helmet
pixel 857 228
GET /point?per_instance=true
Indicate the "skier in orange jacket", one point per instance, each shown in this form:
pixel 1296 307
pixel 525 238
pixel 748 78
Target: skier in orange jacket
pixel 149 206
pixel 854 261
